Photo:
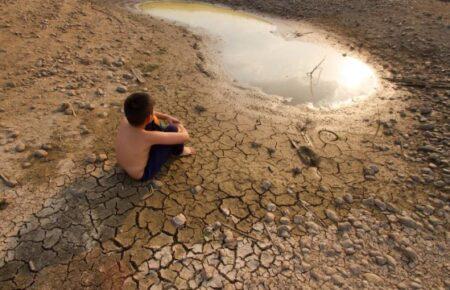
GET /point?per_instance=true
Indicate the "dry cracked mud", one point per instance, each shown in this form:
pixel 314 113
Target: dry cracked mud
pixel 246 212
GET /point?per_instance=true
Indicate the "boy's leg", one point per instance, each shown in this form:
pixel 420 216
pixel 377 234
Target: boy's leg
pixel 177 149
pixel 159 154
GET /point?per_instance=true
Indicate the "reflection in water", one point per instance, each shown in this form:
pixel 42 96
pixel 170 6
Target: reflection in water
pixel 256 55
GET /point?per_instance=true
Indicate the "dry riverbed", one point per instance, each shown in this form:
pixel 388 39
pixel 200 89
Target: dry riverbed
pixel 370 212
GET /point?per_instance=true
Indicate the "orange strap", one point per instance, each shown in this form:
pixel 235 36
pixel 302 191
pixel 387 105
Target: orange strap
pixel 156 120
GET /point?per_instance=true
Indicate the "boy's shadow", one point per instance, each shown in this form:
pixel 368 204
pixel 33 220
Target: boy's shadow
pixel 79 217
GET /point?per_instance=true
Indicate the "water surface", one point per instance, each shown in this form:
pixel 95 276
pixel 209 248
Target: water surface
pixel 256 54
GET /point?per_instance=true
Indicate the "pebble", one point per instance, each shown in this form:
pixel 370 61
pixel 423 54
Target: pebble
pixel 408 221
pixel 102 157
pixel 344 227
pixel 9 181
pixel 373 278
pixel 26 165
pixel 410 254
pixel 13 134
pixel 40 153
pixel 99 92
pixel 3 203
pixel 339 201
pixel 332 215
pixel 47 147
pixel 179 220
pixel 271 207
pixel 20 147
pixel 269 217
pixel 284 220
pixel 266 185
pixel 121 89
pixel 348 198
pixel 284 231
pixel 337 279
pixel 102 115
pixel 297 219
pixel 225 210
pixel 197 189
pixel 91 158
pixel 312 226
pixel 229 239
pixel 371 170
pixel 390 260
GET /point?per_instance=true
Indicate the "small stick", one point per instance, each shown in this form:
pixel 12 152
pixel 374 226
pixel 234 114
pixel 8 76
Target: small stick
pixel 310 74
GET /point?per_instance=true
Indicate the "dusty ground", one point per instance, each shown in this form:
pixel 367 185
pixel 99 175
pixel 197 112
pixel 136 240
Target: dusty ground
pixel 372 214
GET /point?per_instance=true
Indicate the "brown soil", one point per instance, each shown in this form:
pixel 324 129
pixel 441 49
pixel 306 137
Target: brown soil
pixel 68 223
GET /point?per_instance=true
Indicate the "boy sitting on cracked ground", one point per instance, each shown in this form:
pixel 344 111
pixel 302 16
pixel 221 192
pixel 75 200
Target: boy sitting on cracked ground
pixel 146 139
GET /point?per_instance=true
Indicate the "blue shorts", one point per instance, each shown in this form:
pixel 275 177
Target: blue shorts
pixel 159 154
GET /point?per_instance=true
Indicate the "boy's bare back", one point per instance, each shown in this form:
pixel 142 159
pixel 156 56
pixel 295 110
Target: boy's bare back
pixel 132 149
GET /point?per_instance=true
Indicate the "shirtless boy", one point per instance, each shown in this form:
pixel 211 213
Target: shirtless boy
pixel 146 139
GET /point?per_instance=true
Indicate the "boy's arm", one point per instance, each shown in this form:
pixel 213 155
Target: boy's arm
pixel 168 138
pixel 166 117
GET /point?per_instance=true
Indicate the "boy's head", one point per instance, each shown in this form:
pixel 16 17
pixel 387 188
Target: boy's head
pixel 138 108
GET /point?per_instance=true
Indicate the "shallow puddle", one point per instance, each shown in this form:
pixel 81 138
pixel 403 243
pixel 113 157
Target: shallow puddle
pixel 256 54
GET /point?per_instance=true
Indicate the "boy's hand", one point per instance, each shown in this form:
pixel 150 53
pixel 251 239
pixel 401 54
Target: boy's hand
pixel 172 120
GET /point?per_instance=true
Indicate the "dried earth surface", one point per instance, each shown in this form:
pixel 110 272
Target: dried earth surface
pixel 369 209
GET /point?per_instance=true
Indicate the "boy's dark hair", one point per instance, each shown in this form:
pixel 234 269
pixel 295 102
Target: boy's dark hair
pixel 137 107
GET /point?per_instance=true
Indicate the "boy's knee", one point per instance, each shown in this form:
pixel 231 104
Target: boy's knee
pixel 172 128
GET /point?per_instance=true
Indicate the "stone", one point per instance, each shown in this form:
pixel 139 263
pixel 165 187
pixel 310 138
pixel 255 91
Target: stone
pixel 91 158
pixel 410 254
pixel 40 153
pixel 26 164
pixel 121 89
pixel 337 279
pixel 348 198
pixel 312 226
pixel 271 206
pixel 3 203
pixel 225 210
pixel 102 115
pixel 100 92
pixel 297 219
pixel 332 215
pixel 179 220
pixel 20 147
pixel 339 201
pixel 269 217
pixel 284 231
pixel 408 222
pixel 390 260
pixel 284 220
pixel 370 170
pixel 9 181
pixel 344 227
pixel 102 157
pixel 373 278
pixel 197 189
pixel 229 239
pixel 266 185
